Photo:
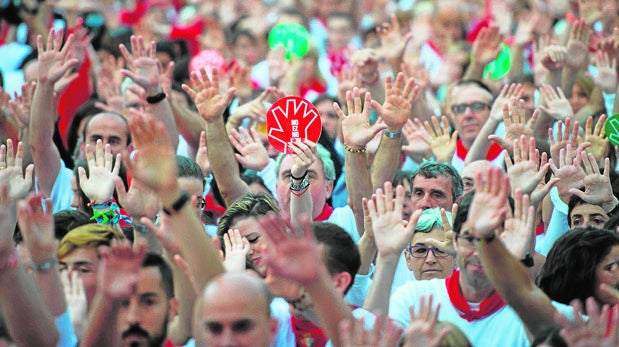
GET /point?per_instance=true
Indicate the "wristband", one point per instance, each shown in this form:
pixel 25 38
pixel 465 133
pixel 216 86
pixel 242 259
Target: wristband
pixel 299 187
pixel 45 266
pixel 178 204
pixel 392 135
pixel 349 149
pixel 155 99
pixel 528 260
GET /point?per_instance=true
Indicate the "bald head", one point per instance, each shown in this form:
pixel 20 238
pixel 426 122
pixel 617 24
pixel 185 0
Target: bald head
pixel 470 172
pixel 235 310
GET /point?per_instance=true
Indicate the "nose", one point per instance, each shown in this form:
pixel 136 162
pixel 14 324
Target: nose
pixel 425 202
pixel 227 337
pixel 430 258
pixel 133 313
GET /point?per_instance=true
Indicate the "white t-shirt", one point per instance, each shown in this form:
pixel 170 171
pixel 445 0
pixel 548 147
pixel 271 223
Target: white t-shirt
pixel 502 328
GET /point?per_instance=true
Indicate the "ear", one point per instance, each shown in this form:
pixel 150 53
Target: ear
pixel 342 280
pixel 82 153
pixel 409 260
pixel 173 309
pixel 328 188
pixel 273 326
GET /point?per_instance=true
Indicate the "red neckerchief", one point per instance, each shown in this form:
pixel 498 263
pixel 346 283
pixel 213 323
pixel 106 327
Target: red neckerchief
pixel 610 324
pixel 540 229
pixel 493 151
pixel 325 214
pixel 486 308
pixel 168 343
pixel 308 334
pixel 435 48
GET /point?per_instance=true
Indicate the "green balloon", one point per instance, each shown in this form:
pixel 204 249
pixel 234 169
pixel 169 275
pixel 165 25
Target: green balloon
pixel 293 37
pixel 499 68
pixel 611 129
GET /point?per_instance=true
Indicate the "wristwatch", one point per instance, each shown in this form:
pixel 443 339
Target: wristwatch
pixel 528 260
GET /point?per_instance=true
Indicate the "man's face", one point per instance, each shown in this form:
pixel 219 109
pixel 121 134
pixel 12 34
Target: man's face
pixel 110 129
pixel 528 96
pixel 233 318
pixel 85 262
pixel 330 120
pixel 607 272
pixel 431 193
pixel 340 32
pixel 319 188
pixel 467 259
pixel 588 215
pixel 195 188
pixel 143 319
pixel 431 266
pixel 469 110
pixel 470 172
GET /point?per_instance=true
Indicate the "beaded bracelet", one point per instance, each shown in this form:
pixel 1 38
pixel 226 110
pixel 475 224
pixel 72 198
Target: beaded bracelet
pixel 106 215
pixel 347 148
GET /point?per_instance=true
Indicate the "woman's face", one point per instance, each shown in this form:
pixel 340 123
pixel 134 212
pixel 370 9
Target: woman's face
pixel 578 99
pixel 607 272
pixel 251 230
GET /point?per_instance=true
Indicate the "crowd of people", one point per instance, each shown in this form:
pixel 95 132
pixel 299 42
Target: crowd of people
pixel 461 192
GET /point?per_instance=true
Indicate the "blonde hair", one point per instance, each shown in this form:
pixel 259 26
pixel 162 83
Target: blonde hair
pixel 89 235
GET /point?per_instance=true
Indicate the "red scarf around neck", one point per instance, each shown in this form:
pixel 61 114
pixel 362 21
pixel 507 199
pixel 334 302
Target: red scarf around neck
pixel 493 151
pixel 486 308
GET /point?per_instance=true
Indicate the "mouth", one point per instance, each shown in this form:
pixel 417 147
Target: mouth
pixel 256 261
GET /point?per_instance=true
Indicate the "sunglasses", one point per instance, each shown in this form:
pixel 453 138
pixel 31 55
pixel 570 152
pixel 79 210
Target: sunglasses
pixel 238 327
pixel 476 106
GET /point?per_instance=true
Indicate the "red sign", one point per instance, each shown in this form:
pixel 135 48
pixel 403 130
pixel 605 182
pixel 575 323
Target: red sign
pixel 292 119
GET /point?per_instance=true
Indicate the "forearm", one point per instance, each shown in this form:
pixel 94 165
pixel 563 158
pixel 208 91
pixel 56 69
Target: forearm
pixel 180 329
pixel 511 280
pixel 367 249
pixel 358 184
pixel 475 71
pixel 329 306
pixel 220 154
pixel 568 78
pixel 481 143
pixel 163 112
pixel 101 329
pixel 51 289
pixel 386 161
pixel 189 123
pixel 28 320
pixel 517 62
pixel 380 290
pixel 300 204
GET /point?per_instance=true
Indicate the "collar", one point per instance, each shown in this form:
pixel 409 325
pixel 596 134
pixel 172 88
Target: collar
pixel 486 307
pixel 493 151
pixel 325 214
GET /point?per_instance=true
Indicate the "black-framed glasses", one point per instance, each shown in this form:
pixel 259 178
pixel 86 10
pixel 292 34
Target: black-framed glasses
pixel 476 106
pixel 421 251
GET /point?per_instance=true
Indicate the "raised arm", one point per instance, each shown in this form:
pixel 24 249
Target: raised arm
pixel 486 48
pixel 53 62
pixel 211 105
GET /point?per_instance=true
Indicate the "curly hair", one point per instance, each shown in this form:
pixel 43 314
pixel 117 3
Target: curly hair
pixel 569 271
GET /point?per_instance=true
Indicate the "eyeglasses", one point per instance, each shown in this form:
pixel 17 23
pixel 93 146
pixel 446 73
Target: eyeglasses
pixel 201 203
pixel 241 326
pixel 476 106
pixel 420 251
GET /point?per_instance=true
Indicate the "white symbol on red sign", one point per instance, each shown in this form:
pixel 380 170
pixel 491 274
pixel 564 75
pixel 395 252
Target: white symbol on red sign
pixel 292 119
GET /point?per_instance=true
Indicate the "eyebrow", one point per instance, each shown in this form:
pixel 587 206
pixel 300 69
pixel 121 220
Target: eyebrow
pixel 77 263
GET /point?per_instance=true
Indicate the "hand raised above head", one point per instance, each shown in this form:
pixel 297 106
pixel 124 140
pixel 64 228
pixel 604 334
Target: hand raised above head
pixel 207 96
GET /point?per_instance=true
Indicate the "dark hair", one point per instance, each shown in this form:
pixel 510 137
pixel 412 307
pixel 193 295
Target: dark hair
pixel 476 83
pixel 189 168
pixel 523 79
pixel 569 270
pixel 249 205
pixel 575 201
pixel 431 169
pixel 252 178
pixel 166 47
pixel 341 253
pixel 401 177
pixel 167 282
pixel 87 109
pixel 67 220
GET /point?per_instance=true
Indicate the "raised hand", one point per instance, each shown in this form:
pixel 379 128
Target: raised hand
pixel 569 172
pixel 8 218
pixel 19 107
pixel 99 185
pixel 153 162
pixel 592 333
pixel 399 97
pixel 421 330
pixel 578 45
pixel 36 223
pixel 392 42
pixel 206 95
pixel 489 206
pixel 236 250
pixel 390 235
pixel 11 164
pixel 118 273
pixel 292 255
pixel 557 105
pixel 202 155
pixel 240 79
pixel 565 136
pixel 75 297
pixel 528 169
pixel 598 189
pixel 487 45
pixel 516 125
pixel 553 57
pixel 137 201
pixel 519 230
pixel 443 144
pixel 509 92
pixel 304 156
pixel 596 137
pixel 278 65
pixel 346 80
pixel 356 128
pixel 53 61
pixel 143 64
pixel 253 110
pixel 354 334
pixel 253 155
pixel 418 141
pixel 607 72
